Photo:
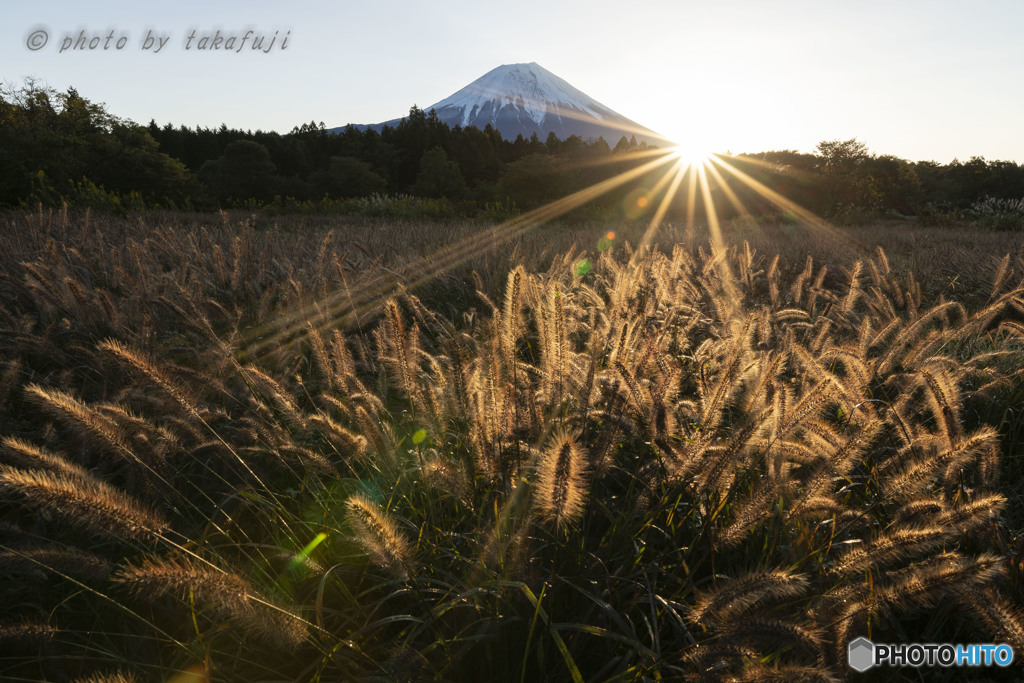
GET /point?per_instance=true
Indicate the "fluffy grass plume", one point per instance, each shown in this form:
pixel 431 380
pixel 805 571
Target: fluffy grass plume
pixel 87 504
pixel 561 487
pixel 227 596
pixel 378 535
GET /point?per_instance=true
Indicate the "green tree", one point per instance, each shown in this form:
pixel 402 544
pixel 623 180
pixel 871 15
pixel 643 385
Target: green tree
pixel 534 180
pixel 414 135
pixel 840 162
pixel 131 161
pixel 52 144
pixel 349 177
pixel 552 143
pixel 476 156
pixel 244 171
pixel 890 183
pixel 439 176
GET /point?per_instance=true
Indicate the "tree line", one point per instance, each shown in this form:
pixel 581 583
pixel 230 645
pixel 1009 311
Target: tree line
pixel 58 147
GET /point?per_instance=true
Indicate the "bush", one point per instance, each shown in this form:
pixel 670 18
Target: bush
pixel 84 194
pixel 999 214
pixel 941 214
pixel 404 206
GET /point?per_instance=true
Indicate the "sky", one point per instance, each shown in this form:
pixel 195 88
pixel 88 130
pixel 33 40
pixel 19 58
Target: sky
pixel 922 80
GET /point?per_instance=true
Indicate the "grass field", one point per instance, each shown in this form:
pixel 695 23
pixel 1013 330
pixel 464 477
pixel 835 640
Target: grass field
pixel 235 447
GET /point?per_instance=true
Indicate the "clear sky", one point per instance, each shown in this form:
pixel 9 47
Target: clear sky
pixel 923 80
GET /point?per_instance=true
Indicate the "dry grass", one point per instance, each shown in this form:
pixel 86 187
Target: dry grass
pixel 688 462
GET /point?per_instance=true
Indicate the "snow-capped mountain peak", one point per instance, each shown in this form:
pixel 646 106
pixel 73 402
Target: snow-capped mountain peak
pixel 528 87
pixel 527 99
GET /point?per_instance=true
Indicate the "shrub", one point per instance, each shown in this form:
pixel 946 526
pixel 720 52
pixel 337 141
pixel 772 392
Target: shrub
pixel 999 214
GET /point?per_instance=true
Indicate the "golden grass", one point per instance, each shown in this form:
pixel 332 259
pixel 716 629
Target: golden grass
pixel 681 461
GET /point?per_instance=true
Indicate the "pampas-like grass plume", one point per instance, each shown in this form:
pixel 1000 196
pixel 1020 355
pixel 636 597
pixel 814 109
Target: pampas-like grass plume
pixel 25 635
pixel 893 547
pixel 1003 619
pixel 85 503
pixel 377 534
pixel 400 351
pixel 228 596
pixel 28 456
pixel 86 421
pixel 761 632
pixel 510 318
pixel 40 561
pixel 982 444
pixel 945 575
pixel 273 394
pixel 147 367
pixel 738 597
pixel 562 485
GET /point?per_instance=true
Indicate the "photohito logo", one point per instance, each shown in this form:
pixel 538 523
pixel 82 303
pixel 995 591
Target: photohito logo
pixel 862 654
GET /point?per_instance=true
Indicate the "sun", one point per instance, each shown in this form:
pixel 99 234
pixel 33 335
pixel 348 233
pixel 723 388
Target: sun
pixel 692 153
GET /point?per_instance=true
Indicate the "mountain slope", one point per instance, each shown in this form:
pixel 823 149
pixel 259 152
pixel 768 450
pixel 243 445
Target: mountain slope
pixel 523 99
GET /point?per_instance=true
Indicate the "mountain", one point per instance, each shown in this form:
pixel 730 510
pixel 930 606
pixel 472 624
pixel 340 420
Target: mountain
pixel 523 99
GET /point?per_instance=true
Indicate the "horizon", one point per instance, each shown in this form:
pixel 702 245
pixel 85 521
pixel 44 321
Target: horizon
pixel 923 81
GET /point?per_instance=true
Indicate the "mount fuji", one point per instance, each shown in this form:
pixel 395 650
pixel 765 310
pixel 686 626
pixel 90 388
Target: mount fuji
pixel 523 99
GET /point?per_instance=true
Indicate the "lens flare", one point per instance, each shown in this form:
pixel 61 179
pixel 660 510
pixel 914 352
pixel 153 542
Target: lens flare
pixel 302 556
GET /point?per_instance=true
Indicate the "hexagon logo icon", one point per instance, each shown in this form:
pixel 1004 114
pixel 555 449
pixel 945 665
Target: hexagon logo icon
pixel 861 654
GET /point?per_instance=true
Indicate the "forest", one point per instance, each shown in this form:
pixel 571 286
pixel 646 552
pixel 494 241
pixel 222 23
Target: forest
pixel 58 147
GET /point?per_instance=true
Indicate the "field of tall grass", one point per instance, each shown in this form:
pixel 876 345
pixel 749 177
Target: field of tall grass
pixel 245 448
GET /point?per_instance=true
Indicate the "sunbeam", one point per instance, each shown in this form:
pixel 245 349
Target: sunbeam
pixel 786 204
pixel 691 200
pixel 345 309
pixel 673 179
pixel 342 308
pixel 724 186
pixel 718 247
